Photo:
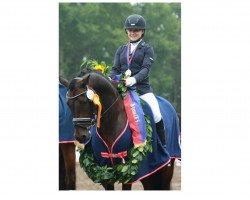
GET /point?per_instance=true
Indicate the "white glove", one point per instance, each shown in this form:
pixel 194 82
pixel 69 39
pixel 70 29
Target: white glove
pixel 130 81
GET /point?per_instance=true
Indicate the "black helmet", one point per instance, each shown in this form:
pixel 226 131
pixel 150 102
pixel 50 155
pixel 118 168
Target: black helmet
pixel 135 22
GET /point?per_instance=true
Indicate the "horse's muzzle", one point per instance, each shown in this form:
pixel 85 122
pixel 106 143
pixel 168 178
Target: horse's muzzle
pixel 82 129
pixel 82 135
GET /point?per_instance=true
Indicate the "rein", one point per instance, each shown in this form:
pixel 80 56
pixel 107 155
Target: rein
pixel 110 106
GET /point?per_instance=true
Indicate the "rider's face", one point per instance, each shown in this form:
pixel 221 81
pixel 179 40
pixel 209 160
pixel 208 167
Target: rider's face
pixel 134 34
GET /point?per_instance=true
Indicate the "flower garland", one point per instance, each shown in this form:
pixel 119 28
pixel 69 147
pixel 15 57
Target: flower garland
pixel 94 65
pixel 124 172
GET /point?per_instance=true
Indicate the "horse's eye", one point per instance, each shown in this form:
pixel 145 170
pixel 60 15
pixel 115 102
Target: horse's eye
pixel 83 101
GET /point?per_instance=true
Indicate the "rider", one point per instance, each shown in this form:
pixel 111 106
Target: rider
pixel 138 57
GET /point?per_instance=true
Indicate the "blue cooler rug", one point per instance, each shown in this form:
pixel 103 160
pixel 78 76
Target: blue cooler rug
pixel 154 161
pixel 66 129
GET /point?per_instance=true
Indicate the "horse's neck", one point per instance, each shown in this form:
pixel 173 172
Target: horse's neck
pixel 113 122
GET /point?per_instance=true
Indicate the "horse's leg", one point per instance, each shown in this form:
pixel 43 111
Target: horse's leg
pixel 108 186
pixel 126 186
pixel 160 180
pixel 69 159
pixel 62 182
pixel 167 175
pixel 151 182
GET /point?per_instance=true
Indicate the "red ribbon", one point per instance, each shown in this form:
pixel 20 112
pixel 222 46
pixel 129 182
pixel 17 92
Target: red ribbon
pixel 130 55
pixel 115 155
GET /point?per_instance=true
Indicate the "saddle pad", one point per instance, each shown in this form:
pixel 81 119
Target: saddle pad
pixel 172 127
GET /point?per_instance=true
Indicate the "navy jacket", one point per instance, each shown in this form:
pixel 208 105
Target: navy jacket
pixel 140 65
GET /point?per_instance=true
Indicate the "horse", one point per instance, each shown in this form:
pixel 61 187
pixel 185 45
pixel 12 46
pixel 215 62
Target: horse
pixel 113 122
pixel 67 177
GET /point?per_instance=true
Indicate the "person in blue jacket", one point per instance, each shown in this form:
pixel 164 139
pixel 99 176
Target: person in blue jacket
pixel 137 57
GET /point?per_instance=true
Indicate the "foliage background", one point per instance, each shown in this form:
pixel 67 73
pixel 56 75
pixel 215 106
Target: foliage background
pixel 95 31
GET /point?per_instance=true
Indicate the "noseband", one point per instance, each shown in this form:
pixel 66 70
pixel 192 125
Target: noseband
pixel 84 122
pixel 87 122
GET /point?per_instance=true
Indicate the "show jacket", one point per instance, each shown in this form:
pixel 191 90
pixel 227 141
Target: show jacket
pixel 140 65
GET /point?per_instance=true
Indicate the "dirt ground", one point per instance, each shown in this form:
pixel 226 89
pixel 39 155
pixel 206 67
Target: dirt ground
pixel 84 183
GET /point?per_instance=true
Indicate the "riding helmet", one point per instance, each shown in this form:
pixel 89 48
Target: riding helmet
pixel 135 22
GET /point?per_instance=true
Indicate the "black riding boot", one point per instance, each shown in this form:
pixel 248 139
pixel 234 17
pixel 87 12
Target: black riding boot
pixel 161 132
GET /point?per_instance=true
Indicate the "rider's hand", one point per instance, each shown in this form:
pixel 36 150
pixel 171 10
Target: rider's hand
pixel 130 81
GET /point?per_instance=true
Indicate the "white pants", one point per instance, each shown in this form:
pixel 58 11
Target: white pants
pixel 153 103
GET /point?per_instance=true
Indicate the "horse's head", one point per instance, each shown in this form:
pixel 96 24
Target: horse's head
pixel 81 104
pixel 81 107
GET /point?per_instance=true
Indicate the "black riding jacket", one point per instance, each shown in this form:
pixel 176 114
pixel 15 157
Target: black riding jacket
pixel 140 65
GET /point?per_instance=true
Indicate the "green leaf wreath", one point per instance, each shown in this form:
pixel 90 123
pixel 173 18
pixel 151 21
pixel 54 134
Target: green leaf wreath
pixel 124 172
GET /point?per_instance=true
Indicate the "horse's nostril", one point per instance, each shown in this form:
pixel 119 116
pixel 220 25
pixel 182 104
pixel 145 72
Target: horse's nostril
pixel 79 139
pixel 82 139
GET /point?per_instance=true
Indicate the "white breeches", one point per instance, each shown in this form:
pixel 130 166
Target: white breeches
pixel 153 103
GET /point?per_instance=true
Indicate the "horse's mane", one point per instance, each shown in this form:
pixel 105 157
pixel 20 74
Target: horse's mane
pixel 94 73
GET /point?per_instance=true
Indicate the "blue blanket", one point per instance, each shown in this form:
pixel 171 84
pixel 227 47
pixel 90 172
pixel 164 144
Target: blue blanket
pixel 155 160
pixel 66 129
pixel 172 127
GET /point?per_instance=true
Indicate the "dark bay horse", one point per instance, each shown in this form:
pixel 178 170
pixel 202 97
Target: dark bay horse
pixel 113 122
pixel 67 178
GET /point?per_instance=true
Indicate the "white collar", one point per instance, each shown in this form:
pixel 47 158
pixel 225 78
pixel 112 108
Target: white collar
pixel 134 45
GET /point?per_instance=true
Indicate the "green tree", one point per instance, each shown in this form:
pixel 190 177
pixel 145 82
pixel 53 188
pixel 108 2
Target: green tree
pixel 95 31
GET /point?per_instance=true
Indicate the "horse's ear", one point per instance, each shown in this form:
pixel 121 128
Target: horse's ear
pixel 85 79
pixel 64 81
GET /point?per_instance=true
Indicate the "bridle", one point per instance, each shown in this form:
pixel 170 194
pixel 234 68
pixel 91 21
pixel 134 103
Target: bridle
pixel 87 122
